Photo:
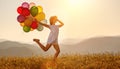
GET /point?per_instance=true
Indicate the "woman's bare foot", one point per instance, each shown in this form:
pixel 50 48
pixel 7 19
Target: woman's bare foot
pixel 36 40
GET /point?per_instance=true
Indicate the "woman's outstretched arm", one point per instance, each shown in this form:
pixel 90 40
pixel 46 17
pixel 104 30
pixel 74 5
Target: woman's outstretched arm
pixel 61 23
pixel 47 26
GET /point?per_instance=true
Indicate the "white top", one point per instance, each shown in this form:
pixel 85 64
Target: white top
pixel 53 36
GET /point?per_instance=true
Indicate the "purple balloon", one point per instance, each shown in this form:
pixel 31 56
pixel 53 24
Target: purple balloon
pixel 20 18
pixel 25 5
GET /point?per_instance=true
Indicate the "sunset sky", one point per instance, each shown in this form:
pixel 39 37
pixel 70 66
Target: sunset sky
pixel 82 19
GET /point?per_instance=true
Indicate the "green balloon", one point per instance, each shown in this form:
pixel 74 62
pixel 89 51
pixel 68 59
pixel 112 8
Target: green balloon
pixel 26 29
pixel 40 27
pixel 34 11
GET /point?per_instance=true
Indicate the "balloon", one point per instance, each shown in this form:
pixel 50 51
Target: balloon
pixel 34 11
pixel 28 21
pixel 40 27
pixel 21 18
pixel 19 10
pixel 25 12
pixel 34 25
pixel 25 5
pixel 31 29
pixel 26 29
pixel 22 24
pixel 40 16
pixel 30 15
pixel 32 4
pixel 40 9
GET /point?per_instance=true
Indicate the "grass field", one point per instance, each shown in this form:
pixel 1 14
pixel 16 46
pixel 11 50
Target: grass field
pixel 74 61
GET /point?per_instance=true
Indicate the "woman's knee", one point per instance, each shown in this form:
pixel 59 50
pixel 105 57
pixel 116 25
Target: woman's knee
pixel 45 49
pixel 58 51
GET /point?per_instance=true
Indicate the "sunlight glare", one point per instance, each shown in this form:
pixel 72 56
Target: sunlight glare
pixel 77 2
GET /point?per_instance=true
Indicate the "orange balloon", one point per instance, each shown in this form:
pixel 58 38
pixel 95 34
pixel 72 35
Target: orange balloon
pixel 28 21
pixel 22 24
pixel 31 29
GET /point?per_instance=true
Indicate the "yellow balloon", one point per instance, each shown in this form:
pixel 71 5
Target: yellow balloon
pixel 28 21
pixel 40 16
pixel 22 24
pixel 40 9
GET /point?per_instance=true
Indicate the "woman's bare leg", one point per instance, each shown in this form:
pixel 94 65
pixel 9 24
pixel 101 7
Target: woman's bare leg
pixel 42 46
pixel 56 46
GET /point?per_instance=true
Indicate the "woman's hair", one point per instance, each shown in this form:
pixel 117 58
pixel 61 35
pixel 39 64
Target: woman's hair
pixel 53 19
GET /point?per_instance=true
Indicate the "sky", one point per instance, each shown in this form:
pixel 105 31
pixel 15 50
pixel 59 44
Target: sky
pixel 82 19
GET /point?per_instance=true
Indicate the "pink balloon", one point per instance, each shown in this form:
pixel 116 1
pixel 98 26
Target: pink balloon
pixel 32 4
pixel 25 5
pixel 21 18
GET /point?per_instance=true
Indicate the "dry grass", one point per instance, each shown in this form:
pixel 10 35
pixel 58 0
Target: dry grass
pixel 91 61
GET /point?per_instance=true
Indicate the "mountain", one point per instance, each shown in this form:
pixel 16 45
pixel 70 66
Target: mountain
pixel 70 41
pixel 1 40
pixel 95 45
pixel 91 45
pixel 16 51
pixel 11 48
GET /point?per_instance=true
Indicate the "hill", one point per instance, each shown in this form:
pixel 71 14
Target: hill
pixel 94 45
pixel 11 48
pixel 91 45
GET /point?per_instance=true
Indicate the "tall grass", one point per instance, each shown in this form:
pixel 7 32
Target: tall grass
pixel 73 61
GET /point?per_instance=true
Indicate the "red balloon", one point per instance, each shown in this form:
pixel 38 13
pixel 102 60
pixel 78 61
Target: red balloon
pixel 19 10
pixel 25 12
pixel 21 18
pixel 34 25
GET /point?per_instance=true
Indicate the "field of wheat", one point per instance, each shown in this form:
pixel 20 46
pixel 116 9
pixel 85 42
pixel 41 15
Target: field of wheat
pixel 74 61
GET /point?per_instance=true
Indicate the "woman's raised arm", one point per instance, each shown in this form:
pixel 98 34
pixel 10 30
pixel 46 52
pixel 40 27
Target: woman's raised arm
pixel 61 23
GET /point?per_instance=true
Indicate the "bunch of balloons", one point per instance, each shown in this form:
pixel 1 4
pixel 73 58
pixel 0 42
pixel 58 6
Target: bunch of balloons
pixel 29 16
